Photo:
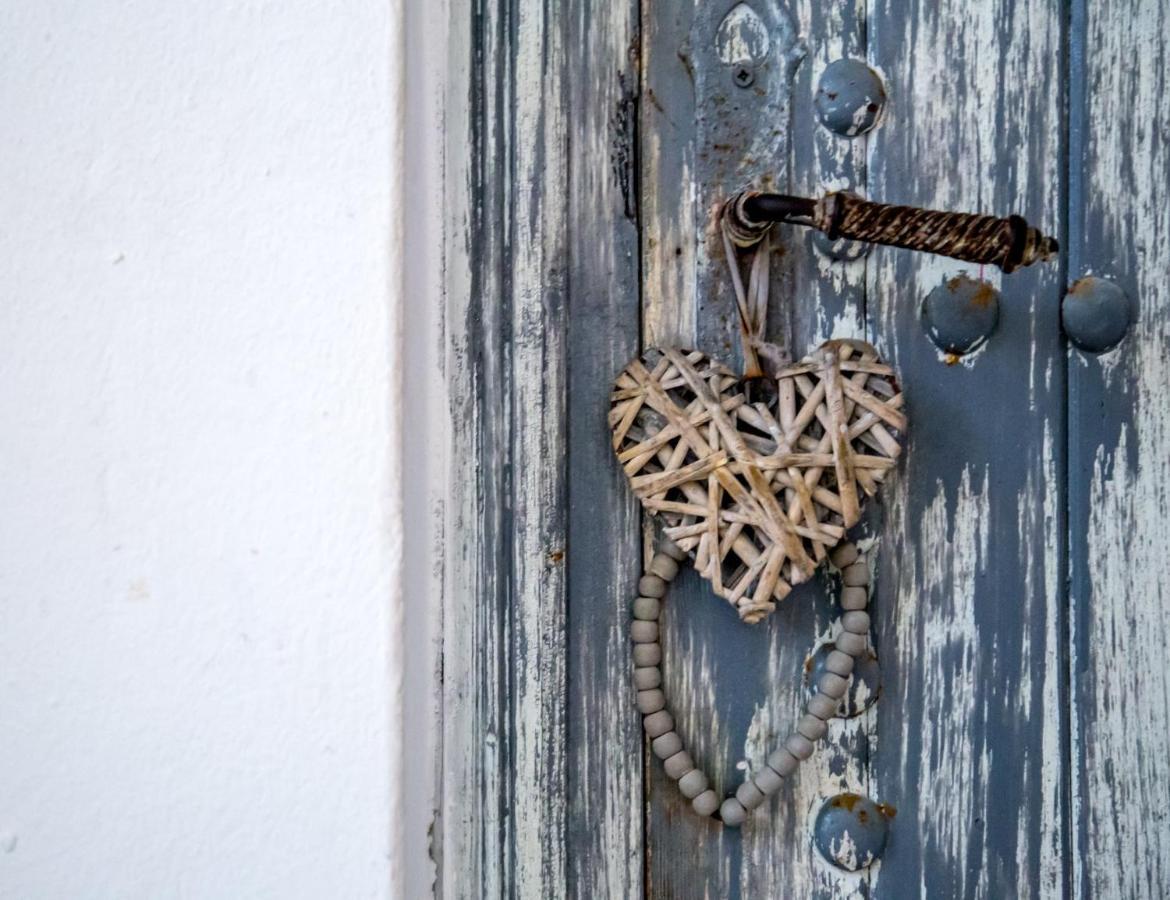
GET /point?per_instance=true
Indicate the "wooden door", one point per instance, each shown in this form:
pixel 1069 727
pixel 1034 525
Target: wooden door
pixel 1023 727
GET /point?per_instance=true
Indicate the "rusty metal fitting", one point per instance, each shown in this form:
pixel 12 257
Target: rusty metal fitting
pixel 743 230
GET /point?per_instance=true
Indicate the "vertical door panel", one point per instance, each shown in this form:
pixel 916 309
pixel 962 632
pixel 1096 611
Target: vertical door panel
pixel 605 785
pixel 737 689
pixel 969 588
pixel 1119 448
pixel 502 812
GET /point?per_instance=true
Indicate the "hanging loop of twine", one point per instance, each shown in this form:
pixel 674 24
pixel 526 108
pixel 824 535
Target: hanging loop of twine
pixel 751 300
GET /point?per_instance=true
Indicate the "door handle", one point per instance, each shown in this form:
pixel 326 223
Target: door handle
pixel 1009 243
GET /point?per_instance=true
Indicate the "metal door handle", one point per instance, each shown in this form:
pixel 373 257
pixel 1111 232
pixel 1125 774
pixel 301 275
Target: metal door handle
pixel 1008 243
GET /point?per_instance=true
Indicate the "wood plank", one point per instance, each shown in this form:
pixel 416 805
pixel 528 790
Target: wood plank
pixel 504 780
pixel 1119 455
pixel 737 689
pixel 604 783
pixel 470 844
pixel 818 297
pixel 969 591
pixel 666 126
pixel 537 204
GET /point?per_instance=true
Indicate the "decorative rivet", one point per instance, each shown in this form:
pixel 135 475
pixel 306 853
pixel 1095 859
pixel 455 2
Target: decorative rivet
pixel 865 683
pixel 743 77
pixel 960 314
pixel 841 249
pixel 850 97
pixel 1095 314
pixel 851 831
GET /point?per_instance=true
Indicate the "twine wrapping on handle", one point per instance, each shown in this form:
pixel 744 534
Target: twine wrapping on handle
pixel 1008 243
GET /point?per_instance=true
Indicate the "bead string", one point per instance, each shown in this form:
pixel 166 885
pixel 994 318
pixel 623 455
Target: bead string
pixel 658 723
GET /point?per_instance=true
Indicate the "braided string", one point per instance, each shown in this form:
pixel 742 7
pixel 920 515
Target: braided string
pixel 752 301
pixel 1008 243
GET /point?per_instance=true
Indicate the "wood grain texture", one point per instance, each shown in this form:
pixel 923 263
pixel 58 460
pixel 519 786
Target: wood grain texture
pixel 470 844
pixel 969 593
pixel 504 675
pixel 1119 454
pixel 737 689
pixel 817 297
pixel 536 349
pixel 572 186
pixel 605 783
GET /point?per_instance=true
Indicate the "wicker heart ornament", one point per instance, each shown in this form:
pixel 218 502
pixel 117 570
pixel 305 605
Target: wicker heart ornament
pixel 757 493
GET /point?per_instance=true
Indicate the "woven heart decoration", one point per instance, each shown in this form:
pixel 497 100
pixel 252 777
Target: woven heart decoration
pixel 757 493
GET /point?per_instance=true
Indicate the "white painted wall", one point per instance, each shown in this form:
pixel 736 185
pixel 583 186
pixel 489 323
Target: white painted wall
pixel 199 445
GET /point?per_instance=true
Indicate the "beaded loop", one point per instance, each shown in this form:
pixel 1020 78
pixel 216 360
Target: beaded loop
pixel 659 724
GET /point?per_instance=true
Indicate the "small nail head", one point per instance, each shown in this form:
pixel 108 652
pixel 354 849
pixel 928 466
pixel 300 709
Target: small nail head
pixel 743 76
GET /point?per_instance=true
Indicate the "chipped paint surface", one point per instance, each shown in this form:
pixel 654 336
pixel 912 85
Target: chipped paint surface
pixel 969 591
pixel 604 765
pixel 1119 484
pixel 1004 716
pixel 742 37
pixel 737 689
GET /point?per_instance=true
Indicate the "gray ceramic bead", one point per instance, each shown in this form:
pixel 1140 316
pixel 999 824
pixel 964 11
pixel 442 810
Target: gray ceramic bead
pixel 768 780
pixel 799 746
pixel 671 549
pixel 811 727
pixel 748 795
pixel 706 803
pixel 823 706
pixel 678 765
pixel 783 762
pixel 647 677
pixel 651 701
pixel 651 586
pixel 647 609
pixel 833 685
pixel 643 632
pixel 839 662
pixel 692 784
pixel 663 566
pixel 647 654
pixel 853 644
pixel 732 812
pixel 856 575
pixel 844 555
pixel 658 723
pixel 854 598
pixel 856 622
pixel 666 745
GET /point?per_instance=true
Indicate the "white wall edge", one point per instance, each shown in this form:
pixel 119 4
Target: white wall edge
pixel 431 82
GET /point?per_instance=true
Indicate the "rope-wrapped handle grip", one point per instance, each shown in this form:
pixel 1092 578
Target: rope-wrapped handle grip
pixel 1008 243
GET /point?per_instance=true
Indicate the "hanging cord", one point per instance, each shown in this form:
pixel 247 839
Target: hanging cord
pixel 752 301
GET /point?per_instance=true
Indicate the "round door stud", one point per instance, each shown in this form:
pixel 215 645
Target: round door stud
pixel 1095 314
pixel 850 97
pixel 865 682
pixel 960 314
pixel 851 831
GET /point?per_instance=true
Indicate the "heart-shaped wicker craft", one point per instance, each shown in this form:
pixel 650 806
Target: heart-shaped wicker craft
pixel 757 493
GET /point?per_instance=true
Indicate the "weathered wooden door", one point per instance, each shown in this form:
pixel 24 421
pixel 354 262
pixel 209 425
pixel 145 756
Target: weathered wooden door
pixel 1022 731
